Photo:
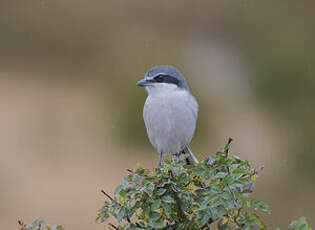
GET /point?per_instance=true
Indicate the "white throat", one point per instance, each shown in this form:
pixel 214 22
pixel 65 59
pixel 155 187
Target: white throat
pixel 161 88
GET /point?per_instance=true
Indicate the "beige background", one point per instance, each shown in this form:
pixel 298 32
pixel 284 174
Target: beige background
pixel 71 115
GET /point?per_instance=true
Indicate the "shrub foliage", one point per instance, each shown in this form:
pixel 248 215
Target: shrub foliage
pixel 213 194
pixel 216 192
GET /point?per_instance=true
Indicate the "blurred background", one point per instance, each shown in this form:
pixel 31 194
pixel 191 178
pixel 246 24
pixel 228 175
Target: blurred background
pixel 71 114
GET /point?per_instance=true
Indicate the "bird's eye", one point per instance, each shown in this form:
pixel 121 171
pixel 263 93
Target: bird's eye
pixel 159 78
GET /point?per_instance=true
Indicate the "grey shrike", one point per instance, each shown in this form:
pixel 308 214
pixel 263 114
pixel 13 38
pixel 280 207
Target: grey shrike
pixel 170 112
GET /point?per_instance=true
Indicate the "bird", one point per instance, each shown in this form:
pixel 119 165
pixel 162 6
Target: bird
pixel 170 113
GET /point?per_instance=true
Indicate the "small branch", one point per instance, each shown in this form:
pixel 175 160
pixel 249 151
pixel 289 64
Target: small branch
pixel 227 147
pixel 188 224
pixel 178 202
pixel 206 226
pixel 108 196
pixel 226 151
pixel 238 214
pixel 231 192
pixel 134 224
pixel 21 223
pixel 131 171
pixel 128 219
pixel 113 226
pixel 258 170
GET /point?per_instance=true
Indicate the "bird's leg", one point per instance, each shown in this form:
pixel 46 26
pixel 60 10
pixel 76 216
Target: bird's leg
pixel 160 161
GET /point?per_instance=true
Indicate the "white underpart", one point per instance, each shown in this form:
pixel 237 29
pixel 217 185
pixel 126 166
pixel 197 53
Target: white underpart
pixel 170 116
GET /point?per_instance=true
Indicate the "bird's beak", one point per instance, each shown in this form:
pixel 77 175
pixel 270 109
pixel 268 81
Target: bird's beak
pixel 142 83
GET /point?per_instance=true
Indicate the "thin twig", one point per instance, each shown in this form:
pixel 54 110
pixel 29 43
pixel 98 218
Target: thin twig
pixel 228 168
pixel 258 170
pixel 108 196
pixel 134 224
pixel 228 143
pixel 227 153
pixel 113 226
pixel 178 202
pixel 20 222
pixel 238 214
pixel 131 171
pixel 206 226
pixel 128 219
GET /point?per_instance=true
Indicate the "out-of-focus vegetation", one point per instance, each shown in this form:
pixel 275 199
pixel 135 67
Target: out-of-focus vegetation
pixel 38 225
pixel 71 115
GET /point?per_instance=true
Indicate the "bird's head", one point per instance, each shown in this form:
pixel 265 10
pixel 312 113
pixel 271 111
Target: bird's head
pixel 163 78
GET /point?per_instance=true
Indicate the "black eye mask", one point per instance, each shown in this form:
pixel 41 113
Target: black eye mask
pixel 165 79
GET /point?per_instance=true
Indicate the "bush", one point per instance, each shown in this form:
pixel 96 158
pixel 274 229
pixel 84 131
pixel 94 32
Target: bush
pixel 216 193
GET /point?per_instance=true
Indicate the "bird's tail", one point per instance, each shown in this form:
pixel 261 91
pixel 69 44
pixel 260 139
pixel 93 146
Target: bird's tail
pixel 188 156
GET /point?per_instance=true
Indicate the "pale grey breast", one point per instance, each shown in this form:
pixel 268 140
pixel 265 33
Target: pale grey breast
pixel 170 119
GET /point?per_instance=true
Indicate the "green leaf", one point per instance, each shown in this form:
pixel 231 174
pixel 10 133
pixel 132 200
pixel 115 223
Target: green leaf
pixel 121 214
pixel 264 208
pixel 159 224
pixel 233 167
pixel 225 195
pixel 260 224
pixel 156 205
pixel 205 218
pixel 168 199
pixel 118 189
pixel 154 216
pixel 220 175
pixel 300 224
pixel 240 171
pixel 161 191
